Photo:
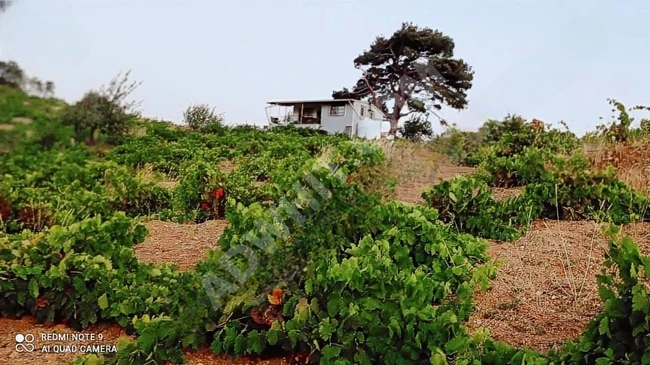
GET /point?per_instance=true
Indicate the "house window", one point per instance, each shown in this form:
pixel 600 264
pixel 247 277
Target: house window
pixel 371 114
pixel 363 111
pixel 337 110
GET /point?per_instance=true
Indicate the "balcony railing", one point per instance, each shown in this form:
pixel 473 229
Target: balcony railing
pixel 293 119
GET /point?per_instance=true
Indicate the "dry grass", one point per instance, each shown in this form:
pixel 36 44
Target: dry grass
pixel 226 166
pixel 415 167
pixel 180 244
pixel 631 160
pixel 22 120
pixel 146 173
pixel 168 184
pixel 546 289
pixel 501 194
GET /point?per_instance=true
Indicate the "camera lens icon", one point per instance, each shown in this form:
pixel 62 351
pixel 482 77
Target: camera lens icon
pixel 24 343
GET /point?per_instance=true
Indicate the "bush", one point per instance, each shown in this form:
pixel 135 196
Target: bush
pixel 460 145
pixel 11 74
pixel 200 117
pixel 416 127
pixel 105 110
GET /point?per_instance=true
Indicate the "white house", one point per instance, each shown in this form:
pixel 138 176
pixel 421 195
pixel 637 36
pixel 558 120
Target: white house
pixel 355 117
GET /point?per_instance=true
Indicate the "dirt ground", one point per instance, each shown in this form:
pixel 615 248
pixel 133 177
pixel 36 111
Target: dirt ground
pixel 545 292
pixel 180 244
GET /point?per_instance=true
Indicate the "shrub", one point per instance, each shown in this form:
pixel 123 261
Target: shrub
pixel 460 145
pixel 11 74
pixel 105 110
pixel 200 117
pixel 620 128
pixel 416 127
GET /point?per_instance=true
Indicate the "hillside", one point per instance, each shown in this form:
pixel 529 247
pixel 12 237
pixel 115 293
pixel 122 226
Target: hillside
pixel 501 246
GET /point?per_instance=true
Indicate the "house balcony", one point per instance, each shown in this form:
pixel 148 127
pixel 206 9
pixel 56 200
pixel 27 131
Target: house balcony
pixel 295 120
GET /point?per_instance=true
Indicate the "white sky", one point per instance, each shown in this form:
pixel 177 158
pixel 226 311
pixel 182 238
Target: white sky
pixel 549 60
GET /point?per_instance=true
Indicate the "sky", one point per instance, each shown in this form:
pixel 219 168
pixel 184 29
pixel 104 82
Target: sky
pixel 551 60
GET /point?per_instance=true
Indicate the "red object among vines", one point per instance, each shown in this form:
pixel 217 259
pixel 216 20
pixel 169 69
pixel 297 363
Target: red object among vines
pixel 5 209
pixel 215 203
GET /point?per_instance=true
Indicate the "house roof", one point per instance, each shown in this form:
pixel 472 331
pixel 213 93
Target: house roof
pixel 324 101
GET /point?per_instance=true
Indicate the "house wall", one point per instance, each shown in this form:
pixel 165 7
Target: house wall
pixel 335 124
pixel 378 113
pixel 366 127
pixel 352 119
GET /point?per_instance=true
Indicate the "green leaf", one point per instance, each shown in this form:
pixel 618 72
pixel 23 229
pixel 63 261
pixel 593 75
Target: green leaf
pixel 603 326
pixel 189 339
pixel 330 352
pixel 640 299
pixel 240 345
pixel 438 357
pixel 333 307
pixel 457 343
pixel 326 328
pixel 103 301
pixel 254 343
pixel 293 337
pixel 147 339
pixel 217 346
pixel 33 288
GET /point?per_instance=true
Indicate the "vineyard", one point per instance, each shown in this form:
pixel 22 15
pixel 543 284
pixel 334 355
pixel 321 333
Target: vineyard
pixel 321 249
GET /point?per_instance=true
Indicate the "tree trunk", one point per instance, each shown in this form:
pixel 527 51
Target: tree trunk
pixel 393 127
pixel 91 138
pixel 394 117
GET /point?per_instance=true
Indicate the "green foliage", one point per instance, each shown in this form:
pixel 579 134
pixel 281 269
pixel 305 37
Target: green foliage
pixel 554 187
pixel 503 140
pixel 462 146
pixel 393 291
pixel 11 74
pixel 383 281
pixel 198 179
pixel 620 128
pixel 416 127
pixel 90 359
pixel 61 187
pixel 467 204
